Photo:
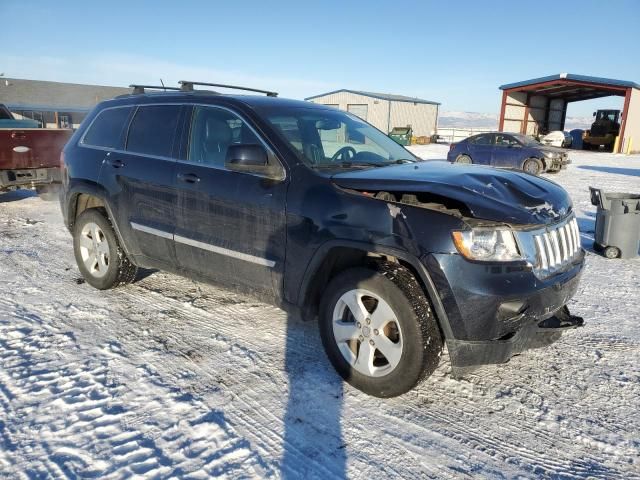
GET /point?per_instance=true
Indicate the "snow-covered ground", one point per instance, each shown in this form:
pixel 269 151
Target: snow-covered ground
pixel 171 378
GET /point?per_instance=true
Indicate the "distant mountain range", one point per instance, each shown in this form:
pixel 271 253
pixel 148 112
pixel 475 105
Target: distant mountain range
pixel 490 120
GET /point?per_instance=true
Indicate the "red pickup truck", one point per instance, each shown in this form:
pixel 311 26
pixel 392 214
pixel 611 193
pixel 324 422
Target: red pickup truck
pixel 29 155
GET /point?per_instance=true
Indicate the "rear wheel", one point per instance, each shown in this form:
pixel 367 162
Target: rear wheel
pixel 464 159
pixel 533 166
pixel 378 329
pixel 611 252
pixel 100 258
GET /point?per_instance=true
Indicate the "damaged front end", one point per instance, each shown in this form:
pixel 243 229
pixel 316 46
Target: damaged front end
pixel 467 355
pixel 498 300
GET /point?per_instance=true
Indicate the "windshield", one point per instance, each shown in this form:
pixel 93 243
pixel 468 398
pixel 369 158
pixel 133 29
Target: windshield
pixel 335 139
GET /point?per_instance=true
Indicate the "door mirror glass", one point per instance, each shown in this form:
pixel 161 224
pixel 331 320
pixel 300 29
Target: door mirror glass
pixel 250 158
pixel 245 157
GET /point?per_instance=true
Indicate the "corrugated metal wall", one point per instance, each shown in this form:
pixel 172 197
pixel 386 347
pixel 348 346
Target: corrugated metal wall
pixel 632 127
pixel 536 113
pixel 422 117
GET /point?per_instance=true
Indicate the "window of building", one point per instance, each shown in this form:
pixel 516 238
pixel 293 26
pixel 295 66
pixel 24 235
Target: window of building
pixel 106 130
pixel 153 129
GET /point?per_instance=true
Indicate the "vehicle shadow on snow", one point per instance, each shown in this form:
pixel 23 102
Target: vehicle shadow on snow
pixel 16 195
pixel 587 228
pixel 313 445
pixel 631 172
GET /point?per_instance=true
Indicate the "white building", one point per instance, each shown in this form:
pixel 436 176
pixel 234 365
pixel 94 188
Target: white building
pixel 385 111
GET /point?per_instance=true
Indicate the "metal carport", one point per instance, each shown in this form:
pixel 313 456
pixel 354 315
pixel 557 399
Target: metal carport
pixel 541 104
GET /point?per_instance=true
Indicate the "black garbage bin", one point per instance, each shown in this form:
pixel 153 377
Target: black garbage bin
pixel 617 223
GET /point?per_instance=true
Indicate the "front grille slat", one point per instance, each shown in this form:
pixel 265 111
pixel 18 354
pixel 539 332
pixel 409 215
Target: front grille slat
pixel 556 247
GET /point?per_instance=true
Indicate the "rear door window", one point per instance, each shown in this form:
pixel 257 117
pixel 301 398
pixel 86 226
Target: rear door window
pixel 153 129
pixel 482 140
pixel 107 129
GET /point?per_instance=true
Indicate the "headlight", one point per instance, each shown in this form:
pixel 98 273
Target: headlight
pixel 487 245
pixel 550 154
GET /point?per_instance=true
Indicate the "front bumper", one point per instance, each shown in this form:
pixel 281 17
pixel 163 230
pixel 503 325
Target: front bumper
pixel 494 311
pixel 28 177
pixel 558 163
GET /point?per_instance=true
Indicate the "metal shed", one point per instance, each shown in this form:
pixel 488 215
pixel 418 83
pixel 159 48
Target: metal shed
pixel 53 104
pixel 385 111
pixel 541 104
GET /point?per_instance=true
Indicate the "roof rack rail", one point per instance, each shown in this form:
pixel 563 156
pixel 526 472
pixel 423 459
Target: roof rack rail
pixel 187 86
pixel 140 89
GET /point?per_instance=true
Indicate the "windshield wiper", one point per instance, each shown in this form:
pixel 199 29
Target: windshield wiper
pixel 348 165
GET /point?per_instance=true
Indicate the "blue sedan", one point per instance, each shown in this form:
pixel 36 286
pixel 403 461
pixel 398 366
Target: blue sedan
pixel 509 150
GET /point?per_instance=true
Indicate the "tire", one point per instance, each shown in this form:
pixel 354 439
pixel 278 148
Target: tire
pixel 412 341
pixel 533 166
pixel 48 193
pixel 464 159
pixel 102 262
pixel 612 252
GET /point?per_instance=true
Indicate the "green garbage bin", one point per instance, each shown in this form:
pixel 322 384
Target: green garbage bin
pixel 617 232
pixel 401 135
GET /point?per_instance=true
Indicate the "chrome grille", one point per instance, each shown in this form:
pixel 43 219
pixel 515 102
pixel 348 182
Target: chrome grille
pixel 555 247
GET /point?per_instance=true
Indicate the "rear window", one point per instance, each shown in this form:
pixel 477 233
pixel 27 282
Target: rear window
pixel 106 129
pixel 152 130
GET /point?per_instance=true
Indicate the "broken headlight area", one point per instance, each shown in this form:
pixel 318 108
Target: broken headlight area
pixel 488 245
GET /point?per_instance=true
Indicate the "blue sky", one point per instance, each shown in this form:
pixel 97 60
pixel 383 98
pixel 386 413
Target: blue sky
pixel 457 53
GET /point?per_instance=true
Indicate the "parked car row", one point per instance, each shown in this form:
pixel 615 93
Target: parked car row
pixel 508 150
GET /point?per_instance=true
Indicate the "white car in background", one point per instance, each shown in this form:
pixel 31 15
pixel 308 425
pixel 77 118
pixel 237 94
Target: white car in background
pixel 557 138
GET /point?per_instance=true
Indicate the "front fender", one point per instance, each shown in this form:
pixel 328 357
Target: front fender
pixel 424 277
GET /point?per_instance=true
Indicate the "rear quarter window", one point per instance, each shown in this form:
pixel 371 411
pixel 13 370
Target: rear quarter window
pixel 153 129
pixel 106 130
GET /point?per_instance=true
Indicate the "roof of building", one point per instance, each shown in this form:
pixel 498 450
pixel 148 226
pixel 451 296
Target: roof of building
pixel 610 82
pixel 22 94
pixel 382 96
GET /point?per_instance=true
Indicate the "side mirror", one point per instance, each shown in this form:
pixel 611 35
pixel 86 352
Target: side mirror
pixel 250 158
pixel 246 158
pixel 594 114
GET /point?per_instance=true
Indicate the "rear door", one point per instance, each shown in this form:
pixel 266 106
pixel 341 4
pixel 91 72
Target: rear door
pixel 141 179
pixel 231 225
pixel 481 148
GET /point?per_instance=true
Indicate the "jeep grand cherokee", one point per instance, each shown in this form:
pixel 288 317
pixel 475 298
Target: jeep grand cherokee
pixel 311 207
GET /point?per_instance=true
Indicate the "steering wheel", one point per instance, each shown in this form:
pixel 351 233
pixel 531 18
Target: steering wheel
pixel 345 153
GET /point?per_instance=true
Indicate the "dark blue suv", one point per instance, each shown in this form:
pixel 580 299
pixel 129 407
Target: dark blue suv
pixel 315 210
pixel 509 150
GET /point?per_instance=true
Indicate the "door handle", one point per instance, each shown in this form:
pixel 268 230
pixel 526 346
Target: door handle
pixel 188 177
pixel 18 135
pixel 116 163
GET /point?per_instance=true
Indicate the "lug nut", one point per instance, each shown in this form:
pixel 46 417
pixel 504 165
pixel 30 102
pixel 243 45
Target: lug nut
pixel 375 331
pixel 359 325
pixel 361 338
pixel 372 343
pixel 368 321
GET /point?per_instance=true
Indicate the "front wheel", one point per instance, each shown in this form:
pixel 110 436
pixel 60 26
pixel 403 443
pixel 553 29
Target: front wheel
pixel 378 330
pixel 533 166
pixel 100 258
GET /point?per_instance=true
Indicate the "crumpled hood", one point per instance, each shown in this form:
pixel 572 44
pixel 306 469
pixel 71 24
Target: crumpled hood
pixel 552 149
pixel 489 193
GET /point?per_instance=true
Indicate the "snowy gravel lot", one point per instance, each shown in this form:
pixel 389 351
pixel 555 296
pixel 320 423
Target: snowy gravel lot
pixel 172 378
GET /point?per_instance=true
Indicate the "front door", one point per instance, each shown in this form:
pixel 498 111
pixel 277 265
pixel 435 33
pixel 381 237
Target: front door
pixel 506 151
pixel 231 225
